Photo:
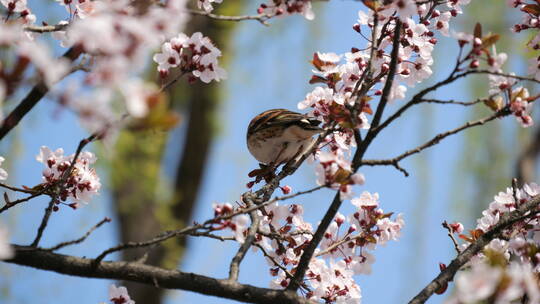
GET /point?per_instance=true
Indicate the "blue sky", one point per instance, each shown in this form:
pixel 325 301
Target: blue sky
pixel 270 69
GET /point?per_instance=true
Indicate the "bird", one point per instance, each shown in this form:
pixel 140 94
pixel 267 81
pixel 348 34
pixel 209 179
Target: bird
pixel 277 136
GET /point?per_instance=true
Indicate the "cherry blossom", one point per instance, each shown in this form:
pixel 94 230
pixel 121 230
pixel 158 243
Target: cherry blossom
pixel 78 8
pixel 119 295
pixel 520 106
pixel 478 283
pixel 207 4
pixel 343 252
pixel 80 185
pixel 196 55
pixel 117 40
pixel 287 7
pixel 507 268
pixel 15 6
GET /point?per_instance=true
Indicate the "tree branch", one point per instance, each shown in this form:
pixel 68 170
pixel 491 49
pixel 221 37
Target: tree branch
pixel 262 18
pixel 46 28
pixel 234 268
pixel 150 275
pixel 506 221
pixel 44 222
pixel 305 259
pixel 435 140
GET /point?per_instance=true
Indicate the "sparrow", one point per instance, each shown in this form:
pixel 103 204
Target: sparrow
pixel 277 136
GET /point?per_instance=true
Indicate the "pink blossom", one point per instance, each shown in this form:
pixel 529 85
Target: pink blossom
pixel 287 7
pixel 478 283
pixel 81 185
pixel 15 6
pixel 119 295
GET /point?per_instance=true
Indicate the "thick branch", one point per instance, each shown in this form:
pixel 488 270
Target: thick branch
pixel 446 275
pixel 150 275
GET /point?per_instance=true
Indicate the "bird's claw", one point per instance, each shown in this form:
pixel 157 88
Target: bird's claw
pixel 265 172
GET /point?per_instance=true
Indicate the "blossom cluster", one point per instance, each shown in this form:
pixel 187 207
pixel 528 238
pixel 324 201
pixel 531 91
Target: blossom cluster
pixel 27 51
pixel 530 22
pixel 502 86
pixel 508 267
pixel 344 251
pixel 414 56
pixel 79 185
pixel 196 55
pixel 521 106
pixel 115 37
pixel 19 10
pixel 287 7
pixel 347 83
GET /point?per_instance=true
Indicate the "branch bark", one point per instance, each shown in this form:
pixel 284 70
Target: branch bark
pixel 151 275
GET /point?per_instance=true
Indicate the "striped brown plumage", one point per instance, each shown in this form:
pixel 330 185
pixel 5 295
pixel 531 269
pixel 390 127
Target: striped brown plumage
pixel 275 136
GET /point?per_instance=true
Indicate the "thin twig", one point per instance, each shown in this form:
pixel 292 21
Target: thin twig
pixel 81 239
pixel 384 162
pixel 193 230
pixel 451 236
pixel 262 18
pixel 339 243
pixel 11 204
pixel 59 186
pixel 46 28
pixel 531 79
pixel 288 274
pixel 44 222
pixel 173 81
pixel 17 189
pixel 417 98
pixel 234 267
pixel 435 140
pixel 213 236
pixel 463 103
